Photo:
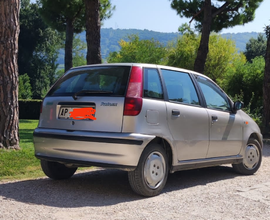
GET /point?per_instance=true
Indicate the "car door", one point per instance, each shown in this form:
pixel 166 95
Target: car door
pixel 188 121
pixel 225 126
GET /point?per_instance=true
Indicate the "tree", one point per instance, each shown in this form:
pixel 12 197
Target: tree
pixel 64 16
pixel 221 58
pixel 79 48
pixel 93 31
pixel 183 53
pixel 9 111
pixel 139 51
pixel 245 79
pixel 255 47
pixel 266 84
pixel 96 12
pixel 38 49
pixel 214 16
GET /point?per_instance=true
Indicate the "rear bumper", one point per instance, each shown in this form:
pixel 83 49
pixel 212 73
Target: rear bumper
pixel 82 148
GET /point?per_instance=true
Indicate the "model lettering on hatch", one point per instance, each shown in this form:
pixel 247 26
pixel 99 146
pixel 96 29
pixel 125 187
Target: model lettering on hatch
pixel 108 104
pixel 83 113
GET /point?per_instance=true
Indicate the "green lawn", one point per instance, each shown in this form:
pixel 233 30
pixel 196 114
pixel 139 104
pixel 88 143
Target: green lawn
pixel 21 164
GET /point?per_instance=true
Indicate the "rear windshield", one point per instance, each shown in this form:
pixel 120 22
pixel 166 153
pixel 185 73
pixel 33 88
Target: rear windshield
pixel 102 81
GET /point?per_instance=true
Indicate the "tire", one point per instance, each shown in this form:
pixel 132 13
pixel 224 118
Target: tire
pixel 57 171
pixel 251 160
pixel 150 176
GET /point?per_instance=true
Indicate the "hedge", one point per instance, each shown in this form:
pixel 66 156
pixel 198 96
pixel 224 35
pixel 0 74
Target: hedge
pixel 29 109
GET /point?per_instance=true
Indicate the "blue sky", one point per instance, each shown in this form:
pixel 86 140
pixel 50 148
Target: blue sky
pixel 157 15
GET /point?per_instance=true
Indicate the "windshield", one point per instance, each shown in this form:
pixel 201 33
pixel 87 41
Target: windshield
pixel 100 80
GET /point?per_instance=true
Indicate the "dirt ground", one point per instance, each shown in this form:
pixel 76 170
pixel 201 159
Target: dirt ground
pixel 211 193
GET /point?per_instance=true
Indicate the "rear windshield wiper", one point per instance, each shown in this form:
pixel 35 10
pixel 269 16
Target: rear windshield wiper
pixel 91 92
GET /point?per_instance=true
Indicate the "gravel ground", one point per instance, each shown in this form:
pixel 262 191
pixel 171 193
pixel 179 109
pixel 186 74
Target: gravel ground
pixel 211 193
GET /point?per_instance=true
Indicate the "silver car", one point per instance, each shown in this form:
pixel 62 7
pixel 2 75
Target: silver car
pixel 146 119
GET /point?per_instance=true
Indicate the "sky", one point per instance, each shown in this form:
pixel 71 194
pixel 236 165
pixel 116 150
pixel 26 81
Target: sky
pixel 157 15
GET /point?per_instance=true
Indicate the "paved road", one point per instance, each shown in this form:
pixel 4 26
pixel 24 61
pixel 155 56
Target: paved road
pixel 211 193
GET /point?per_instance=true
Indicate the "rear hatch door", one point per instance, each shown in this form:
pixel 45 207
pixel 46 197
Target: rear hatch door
pixel 88 99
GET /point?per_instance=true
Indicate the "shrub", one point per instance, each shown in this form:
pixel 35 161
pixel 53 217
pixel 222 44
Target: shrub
pixel 29 109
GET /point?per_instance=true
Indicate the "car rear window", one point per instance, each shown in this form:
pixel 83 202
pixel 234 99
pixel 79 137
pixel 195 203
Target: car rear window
pixel 102 81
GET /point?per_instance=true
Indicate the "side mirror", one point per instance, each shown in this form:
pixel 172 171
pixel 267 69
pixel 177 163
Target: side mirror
pixel 237 106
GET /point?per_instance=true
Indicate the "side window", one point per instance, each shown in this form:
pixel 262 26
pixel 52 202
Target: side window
pixel 180 87
pixel 214 97
pixel 152 85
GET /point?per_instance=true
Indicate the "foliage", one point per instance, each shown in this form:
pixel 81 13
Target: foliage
pixel 138 51
pixel 214 16
pixel 58 13
pixel 183 53
pixel 69 17
pixel 224 14
pixel 25 89
pixel 246 79
pixel 38 49
pixel 110 39
pixel 79 49
pixel 255 114
pixel 106 10
pixel 221 57
pixel 255 47
pixel 64 16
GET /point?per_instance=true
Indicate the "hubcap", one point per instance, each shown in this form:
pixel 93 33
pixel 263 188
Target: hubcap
pixel 154 170
pixel 252 157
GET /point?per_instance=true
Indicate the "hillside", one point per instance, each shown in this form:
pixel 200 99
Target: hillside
pixel 110 38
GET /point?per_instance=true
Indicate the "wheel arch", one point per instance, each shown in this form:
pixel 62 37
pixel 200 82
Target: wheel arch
pixel 168 148
pixel 257 137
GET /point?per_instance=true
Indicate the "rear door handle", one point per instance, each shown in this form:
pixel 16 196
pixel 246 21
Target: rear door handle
pixel 175 112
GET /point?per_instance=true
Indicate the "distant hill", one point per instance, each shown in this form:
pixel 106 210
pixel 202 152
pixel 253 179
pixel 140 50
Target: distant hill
pixel 110 38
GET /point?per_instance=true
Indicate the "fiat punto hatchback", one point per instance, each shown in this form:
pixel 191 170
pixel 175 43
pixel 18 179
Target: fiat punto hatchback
pixel 146 119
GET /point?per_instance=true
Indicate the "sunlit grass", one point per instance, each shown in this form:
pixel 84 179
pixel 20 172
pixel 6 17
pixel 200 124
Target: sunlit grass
pixel 22 164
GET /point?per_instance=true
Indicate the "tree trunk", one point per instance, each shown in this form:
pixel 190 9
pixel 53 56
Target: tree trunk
pixel 93 31
pixel 266 86
pixel 69 45
pixel 9 110
pixel 206 29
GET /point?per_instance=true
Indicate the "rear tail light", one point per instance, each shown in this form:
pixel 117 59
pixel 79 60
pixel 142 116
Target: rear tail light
pixel 133 100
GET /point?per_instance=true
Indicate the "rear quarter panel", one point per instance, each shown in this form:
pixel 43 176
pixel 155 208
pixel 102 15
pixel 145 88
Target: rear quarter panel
pixel 152 120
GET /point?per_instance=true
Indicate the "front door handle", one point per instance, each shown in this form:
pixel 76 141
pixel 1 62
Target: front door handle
pixel 175 112
pixel 214 118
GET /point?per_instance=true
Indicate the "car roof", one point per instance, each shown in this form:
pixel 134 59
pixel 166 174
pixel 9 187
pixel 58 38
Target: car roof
pixel 138 64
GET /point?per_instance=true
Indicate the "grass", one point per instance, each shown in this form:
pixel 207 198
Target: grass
pixel 21 164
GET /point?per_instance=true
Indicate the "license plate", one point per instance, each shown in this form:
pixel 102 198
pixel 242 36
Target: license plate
pixel 77 113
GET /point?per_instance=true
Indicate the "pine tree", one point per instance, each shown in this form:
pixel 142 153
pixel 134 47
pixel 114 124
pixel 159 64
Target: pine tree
pixel 9 111
pixel 214 16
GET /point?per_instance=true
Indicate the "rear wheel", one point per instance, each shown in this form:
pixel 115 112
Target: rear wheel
pixel 57 171
pixel 252 158
pixel 150 176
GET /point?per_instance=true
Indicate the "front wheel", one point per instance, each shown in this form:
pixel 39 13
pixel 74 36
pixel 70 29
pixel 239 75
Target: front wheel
pixel 150 176
pixel 252 158
pixel 57 171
